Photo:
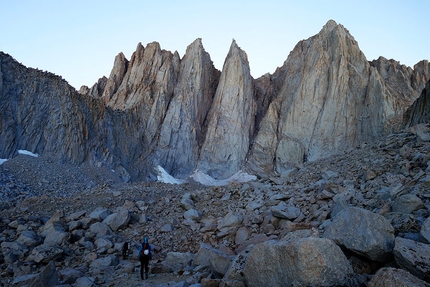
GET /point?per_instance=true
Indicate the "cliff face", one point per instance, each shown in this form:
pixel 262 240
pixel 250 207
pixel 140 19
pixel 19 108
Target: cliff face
pixel 327 97
pixel 42 113
pixel 183 114
pixel 419 112
pixel 317 109
pixel 184 127
pixel 231 118
pixel 395 86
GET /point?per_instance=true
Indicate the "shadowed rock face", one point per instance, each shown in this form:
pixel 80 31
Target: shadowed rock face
pixel 42 113
pixel 419 112
pixel 183 114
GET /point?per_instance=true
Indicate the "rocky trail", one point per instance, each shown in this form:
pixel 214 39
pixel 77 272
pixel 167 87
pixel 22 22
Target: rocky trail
pixel 66 225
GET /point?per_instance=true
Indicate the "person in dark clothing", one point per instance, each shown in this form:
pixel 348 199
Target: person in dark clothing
pixel 144 254
pixel 125 250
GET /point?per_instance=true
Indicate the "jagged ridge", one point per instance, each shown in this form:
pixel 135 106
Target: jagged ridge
pixel 183 114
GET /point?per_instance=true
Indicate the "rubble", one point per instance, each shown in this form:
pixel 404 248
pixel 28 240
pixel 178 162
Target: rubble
pixel 211 235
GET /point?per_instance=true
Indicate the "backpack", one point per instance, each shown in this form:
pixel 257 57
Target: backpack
pixel 144 251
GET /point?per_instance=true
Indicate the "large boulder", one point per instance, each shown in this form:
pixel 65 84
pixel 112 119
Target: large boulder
pixel 55 223
pixel 388 277
pixel 229 222
pixel 235 271
pixel 76 215
pixel 69 275
pixel 103 243
pixel 192 214
pixel 24 280
pixel 407 203
pixel 258 238
pixel 100 229
pixel 413 256
pixel 178 260
pixel 48 276
pixel 44 254
pixel 305 262
pixel 242 234
pixel 186 201
pixel 218 261
pixel 363 232
pixel 403 222
pixel 56 238
pixel 85 282
pixel 29 238
pixel 104 262
pixel 118 220
pixel 208 224
pixel 425 231
pixel 286 212
pixel 99 214
pixel 12 251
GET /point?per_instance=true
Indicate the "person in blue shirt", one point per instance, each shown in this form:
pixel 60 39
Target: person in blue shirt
pixel 144 255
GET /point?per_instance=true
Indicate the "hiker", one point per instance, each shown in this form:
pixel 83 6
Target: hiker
pixel 144 255
pixel 125 250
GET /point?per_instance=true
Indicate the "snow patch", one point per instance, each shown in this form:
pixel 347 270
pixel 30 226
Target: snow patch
pixel 2 160
pixel 204 179
pixel 163 176
pixel 26 152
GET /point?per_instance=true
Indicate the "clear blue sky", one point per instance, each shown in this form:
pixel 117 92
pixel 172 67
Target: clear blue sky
pixel 80 39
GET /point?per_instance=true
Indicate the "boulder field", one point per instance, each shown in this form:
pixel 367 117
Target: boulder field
pixel 356 219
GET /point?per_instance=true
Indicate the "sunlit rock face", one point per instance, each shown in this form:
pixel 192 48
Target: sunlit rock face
pixel 183 130
pixel 231 118
pixel 330 99
pixel 182 114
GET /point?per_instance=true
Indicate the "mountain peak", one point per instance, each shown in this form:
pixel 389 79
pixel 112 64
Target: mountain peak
pixel 236 50
pixel 196 44
pixel 330 23
pixel 329 26
pixel 183 114
pixel 230 123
